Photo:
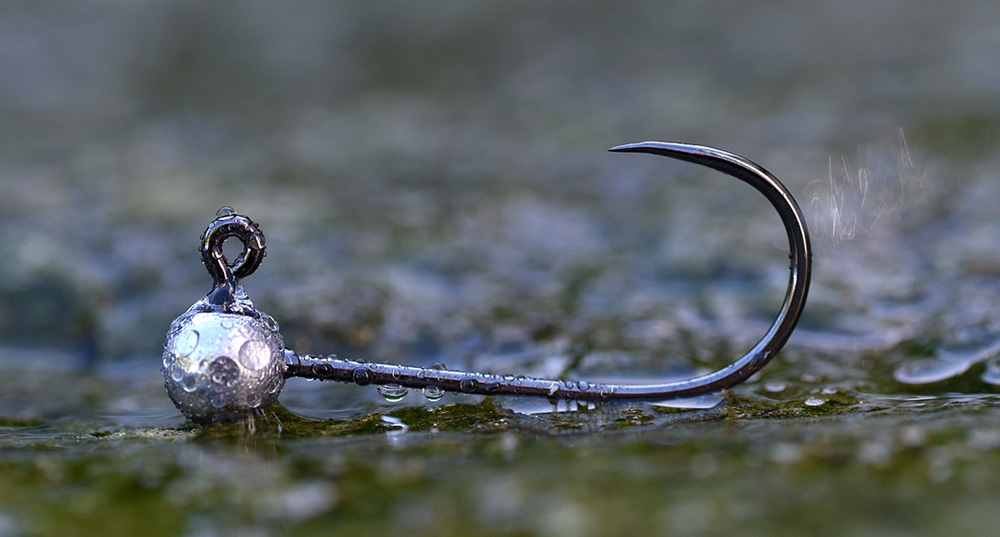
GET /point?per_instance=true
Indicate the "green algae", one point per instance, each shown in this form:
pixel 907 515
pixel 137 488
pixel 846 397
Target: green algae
pixel 924 470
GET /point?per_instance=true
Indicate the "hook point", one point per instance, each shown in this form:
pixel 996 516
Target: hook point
pixel 624 148
pixel 659 148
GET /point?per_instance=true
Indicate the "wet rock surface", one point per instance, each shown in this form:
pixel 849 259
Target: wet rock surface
pixel 434 189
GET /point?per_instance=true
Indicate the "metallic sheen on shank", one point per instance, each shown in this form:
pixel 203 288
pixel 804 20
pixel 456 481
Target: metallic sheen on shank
pixel 800 270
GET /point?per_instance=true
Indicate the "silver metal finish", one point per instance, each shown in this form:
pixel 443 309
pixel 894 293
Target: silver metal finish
pixel 218 363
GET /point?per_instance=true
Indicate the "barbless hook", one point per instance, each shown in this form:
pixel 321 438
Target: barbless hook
pixel 364 373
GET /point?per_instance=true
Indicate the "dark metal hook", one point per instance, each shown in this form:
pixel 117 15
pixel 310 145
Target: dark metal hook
pixel 223 356
pixel 364 373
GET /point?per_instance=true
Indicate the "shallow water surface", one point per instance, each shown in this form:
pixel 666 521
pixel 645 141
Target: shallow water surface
pixel 433 185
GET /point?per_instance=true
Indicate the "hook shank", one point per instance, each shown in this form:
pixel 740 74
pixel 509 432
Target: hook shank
pixel 364 373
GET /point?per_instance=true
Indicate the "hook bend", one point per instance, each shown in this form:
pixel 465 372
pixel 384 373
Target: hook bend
pixel 364 373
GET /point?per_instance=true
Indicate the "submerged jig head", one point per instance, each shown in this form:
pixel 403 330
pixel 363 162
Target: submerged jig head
pixel 223 357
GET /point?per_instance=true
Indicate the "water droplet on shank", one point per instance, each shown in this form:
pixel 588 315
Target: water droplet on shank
pixel 362 376
pixel 323 370
pixel 392 392
pixel 468 384
pixel 433 393
pixel 225 211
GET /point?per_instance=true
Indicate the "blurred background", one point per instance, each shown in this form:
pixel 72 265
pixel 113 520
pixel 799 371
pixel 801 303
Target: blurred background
pixel 427 174
pixel 433 184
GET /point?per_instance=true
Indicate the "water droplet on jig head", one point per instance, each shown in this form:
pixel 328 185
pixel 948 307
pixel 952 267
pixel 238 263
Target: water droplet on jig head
pixel 187 342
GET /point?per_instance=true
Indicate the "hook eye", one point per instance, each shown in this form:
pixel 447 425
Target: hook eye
pixel 228 224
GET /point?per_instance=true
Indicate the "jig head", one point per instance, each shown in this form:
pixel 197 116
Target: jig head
pixel 223 357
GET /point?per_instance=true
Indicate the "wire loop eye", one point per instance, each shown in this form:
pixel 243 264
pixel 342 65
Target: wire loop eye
pixel 225 275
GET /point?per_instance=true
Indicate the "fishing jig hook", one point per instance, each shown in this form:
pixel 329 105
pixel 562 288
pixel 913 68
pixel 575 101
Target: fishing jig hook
pixel 223 357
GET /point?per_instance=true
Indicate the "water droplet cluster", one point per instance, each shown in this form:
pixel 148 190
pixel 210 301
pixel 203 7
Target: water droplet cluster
pixel 217 364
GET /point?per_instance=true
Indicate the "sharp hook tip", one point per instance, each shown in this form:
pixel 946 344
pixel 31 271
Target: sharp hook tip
pixel 660 148
pixel 624 148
